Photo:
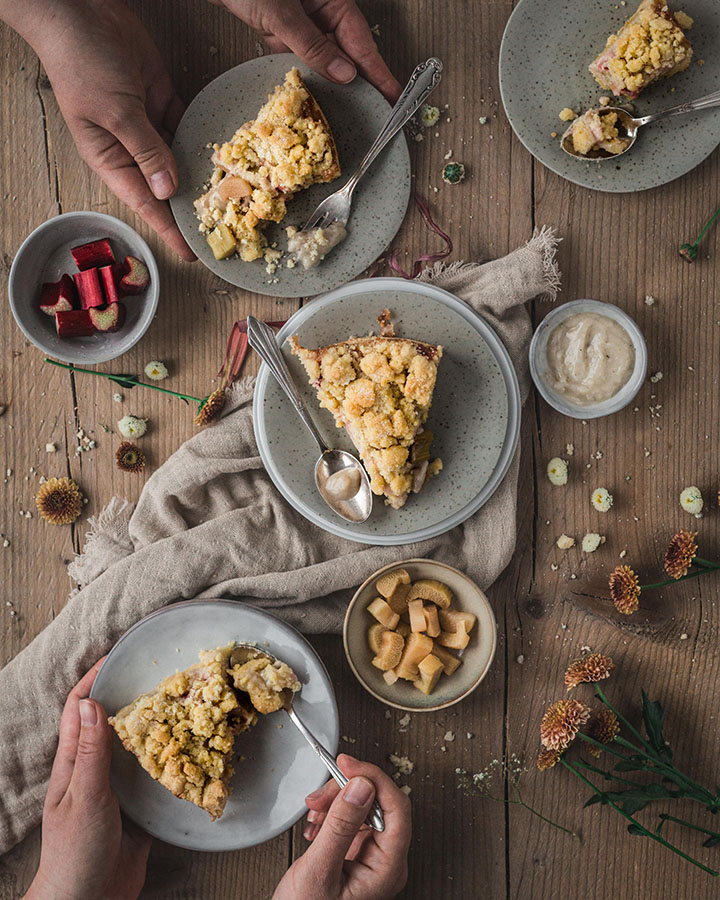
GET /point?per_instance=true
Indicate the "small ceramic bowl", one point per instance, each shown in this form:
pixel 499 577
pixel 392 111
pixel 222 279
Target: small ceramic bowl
pixel 476 658
pixel 539 365
pixel 45 255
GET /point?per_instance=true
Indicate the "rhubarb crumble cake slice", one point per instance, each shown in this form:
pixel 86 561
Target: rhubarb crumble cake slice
pixel 596 134
pixel 183 731
pixel 266 682
pixel 380 390
pixel 287 148
pixel 650 45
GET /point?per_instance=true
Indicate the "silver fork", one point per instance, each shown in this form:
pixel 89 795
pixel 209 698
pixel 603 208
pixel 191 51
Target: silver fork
pixel 424 80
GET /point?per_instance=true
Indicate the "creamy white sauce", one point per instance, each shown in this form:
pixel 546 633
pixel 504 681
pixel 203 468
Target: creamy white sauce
pixel 344 484
pixel 590 357
pixel 312 246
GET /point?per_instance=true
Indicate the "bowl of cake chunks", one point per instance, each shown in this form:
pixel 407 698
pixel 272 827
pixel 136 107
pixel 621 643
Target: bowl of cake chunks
pixel 419 635
pixel 84 287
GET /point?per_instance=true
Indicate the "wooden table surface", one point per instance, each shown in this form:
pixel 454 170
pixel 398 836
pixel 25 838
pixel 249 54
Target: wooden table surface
pixel 550 603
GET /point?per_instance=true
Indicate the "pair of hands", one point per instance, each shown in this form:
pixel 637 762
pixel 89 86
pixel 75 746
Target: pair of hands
pixel 90 851
pixel 120 105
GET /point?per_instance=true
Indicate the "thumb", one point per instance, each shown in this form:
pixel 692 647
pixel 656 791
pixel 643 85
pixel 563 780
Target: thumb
pixel 91 774
pixel 305 39
pixel 342 823
pixel 151 154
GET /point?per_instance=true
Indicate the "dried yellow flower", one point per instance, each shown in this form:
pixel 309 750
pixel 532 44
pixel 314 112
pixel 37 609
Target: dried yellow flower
pixel 59 501
pixel 547 759
pixel 130 457
pixel 603 727
pixel 680 554
pixel 592 668
pixel 625 590
pixel 211 407
pixel 561 722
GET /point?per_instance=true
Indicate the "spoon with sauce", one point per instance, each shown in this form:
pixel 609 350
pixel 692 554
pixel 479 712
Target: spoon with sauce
pixel 340 478
pixel 628 126
pixel 241 654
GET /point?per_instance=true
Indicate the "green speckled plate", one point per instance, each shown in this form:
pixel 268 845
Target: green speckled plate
pixel 475 413
pixel 544 58
pixel 356 113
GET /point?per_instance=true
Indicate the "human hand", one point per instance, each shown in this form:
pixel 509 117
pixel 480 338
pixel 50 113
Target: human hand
pixel 347 859
pixel 331 36
pixel 88 850
pixel 118 101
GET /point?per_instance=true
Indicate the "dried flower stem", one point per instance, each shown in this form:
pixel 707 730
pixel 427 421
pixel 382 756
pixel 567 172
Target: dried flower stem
pixel 641 829
pixel 668 818
pixel 154 387
pixel 521 802
pixel 647 587
pixel 690 251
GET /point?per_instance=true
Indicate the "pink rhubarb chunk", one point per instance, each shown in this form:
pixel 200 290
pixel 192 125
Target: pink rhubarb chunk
pixel 92 255
pixel 88 285
pixel 111 318
pixel 136 276
pixel 74 323
pixel 57 296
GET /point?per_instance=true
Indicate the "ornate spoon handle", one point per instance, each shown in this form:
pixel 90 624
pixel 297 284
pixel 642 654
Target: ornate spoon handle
pixel 706 102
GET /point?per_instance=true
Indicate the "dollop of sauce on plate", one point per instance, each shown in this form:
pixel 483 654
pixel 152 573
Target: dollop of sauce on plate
pixel 344 484
pixel 312 246
pixel 590 358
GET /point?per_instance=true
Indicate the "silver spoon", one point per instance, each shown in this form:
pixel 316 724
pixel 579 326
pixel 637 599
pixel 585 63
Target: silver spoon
pixel 630 125
pixel 354 508
pixel 242 653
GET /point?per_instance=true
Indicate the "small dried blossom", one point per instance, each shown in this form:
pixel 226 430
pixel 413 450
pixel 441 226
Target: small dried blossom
pixel 589 669
pixel 132 426
pixel 557 471
pixel 691 500
pixel 681 553
pixel 603 727
pixel 547 759
pixel 591 542
pixel 625 590
pixel 156 370
pixel 601 499
pixel 129 457
pixel 211 407
pixel 561 723
pixel 59 501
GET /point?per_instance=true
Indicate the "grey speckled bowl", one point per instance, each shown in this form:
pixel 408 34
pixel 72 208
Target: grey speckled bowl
pixel 356 113
pixel 475 415
pixel 45 255
pixel 476 658
pixel 544 58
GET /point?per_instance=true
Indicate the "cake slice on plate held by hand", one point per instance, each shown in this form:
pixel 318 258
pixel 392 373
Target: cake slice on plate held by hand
pixel 650 45
pixel 183 731
pixel 380 390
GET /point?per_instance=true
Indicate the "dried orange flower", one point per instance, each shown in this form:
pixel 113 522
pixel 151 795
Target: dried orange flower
pixel 603 727
pixel 211 407
pixel 561 722
pixel 594 667
pixel 680 554
pixel 547 759
pixel 625 590
pixel 130 457
pixel 59 501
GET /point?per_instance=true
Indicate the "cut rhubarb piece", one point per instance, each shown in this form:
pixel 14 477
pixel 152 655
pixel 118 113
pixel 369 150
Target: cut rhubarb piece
pixel 57 296
pixel 88 285
pixel 111 318
pixel 74 323
pixel 136 276
pixel 109 283
pixel 96 253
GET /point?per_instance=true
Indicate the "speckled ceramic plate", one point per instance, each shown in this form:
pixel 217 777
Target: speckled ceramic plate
pixel 356 112
pixel 475 413
pixel 278 768
pixel 544 58
pixel 476 657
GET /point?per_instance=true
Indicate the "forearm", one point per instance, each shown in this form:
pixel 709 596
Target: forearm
pixel 40 21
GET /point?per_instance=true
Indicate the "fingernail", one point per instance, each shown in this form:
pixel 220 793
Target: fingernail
pixel 313 816
pixel 88 713
pixel 341 70
pixel 314 794
pixel 310 832
pixel 161 184
pixel 358 791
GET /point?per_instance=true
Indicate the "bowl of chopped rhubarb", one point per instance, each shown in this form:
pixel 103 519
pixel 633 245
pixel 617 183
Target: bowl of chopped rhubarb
pixel 84 287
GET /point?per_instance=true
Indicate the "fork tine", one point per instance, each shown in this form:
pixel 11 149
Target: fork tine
pixel 318 217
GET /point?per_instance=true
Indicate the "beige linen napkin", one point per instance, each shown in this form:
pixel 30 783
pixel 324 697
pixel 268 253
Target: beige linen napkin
pixel 210 523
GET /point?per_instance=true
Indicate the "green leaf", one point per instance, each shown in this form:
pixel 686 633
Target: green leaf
pixel 126 381
pixel 632 800
pixel 636 829
pixel 653 716
pixel 712 841
pixel 633 763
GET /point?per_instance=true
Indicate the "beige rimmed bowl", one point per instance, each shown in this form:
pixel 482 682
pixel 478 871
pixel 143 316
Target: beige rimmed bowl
pixel 476 658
